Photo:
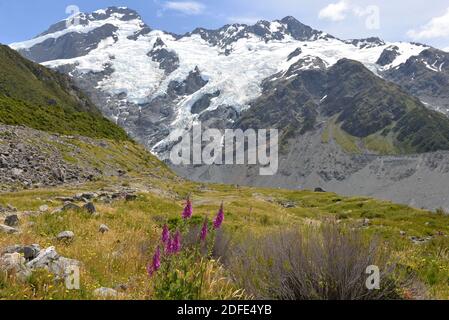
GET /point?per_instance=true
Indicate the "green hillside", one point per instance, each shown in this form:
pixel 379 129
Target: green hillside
pixel 36 97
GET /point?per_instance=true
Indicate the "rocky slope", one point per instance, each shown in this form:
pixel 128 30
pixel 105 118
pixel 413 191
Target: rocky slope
pixel 31 159
pixel 425 76
pixel 416 180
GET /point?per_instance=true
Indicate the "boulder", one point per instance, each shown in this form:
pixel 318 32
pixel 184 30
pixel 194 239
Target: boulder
pixel 70 207
pixel 103 228
pixel 44 259
pixel 13 249
pixel 130 197
pixel 43 208
pixel 13 264
pixel 65 236
pixel 12 220
pixel 105 293
pixel 89 195
pixel 10 208
pixel 50 260
pixel 8 229
pixel 90 208
pixel 31 252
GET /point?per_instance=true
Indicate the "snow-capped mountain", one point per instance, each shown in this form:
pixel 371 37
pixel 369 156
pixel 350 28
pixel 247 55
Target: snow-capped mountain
pixel 344 107
pixel 131 70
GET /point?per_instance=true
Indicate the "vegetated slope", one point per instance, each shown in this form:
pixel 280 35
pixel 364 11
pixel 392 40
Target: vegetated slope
pixel 34 96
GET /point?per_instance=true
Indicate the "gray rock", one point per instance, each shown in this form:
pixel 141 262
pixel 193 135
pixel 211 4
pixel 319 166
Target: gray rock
pixel 45 258
pixel 70 207
pixel 14 264
pixel 130 197
pixel 10 208
pixel 31 252
pixel 420 240
pixel 12 220
pixel 65 236
pixel 43 208
pixel 105 293
pixel 103 228
pixel 8 229
pixel 89 195
pixel 90 208
pixel 16 248
pixel 16 172
pixel 50 260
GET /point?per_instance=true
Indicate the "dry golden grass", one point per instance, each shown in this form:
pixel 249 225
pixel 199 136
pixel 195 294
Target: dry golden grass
pixel 120 256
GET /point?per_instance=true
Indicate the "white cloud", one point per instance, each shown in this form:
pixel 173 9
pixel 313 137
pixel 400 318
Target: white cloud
pixel 437 27
pixel 245 20
pixel 335 11
pixel 185 7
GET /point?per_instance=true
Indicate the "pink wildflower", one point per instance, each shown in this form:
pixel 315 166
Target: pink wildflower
pixel 173 245
pixel 219 218
pixel 176 244
pixel 187 212
pixel 204 230
pixel 155 265
pixel 165 234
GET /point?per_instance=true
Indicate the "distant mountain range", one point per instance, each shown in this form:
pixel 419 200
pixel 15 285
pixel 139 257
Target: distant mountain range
pixel 356 116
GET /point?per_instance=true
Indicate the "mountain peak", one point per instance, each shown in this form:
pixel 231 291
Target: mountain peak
pixel 290 19
pixel 122 13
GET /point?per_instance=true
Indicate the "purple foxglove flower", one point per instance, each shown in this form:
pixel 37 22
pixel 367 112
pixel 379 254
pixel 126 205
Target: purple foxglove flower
pixel 165 234
pixel 176 244
pixel 219 218
pixel 169 246
pixel 203 234
pixel 187 212
pixel 156 263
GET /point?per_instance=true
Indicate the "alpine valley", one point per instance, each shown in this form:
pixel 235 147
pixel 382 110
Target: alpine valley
pixel 356 117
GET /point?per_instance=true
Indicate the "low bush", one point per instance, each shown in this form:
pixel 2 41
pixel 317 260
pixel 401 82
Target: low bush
pixel 328 263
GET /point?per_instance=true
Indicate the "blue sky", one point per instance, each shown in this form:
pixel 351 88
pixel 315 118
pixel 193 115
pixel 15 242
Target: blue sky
pixel 398 20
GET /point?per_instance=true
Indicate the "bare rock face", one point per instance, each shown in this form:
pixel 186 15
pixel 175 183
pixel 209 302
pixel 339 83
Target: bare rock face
pixel 14 264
